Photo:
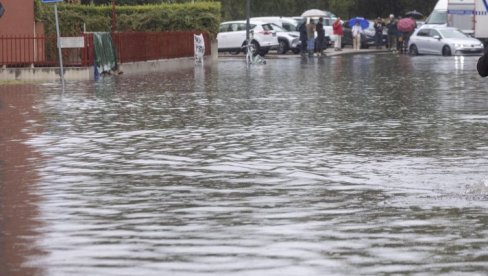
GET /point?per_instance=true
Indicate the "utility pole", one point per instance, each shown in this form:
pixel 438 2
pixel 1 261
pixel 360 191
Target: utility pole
pixel 248 15
pixel 114 21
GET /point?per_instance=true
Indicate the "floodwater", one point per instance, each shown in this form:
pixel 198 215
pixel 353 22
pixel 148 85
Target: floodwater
pixel 347 165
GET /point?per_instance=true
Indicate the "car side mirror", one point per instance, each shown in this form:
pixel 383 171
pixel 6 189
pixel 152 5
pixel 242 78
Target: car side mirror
pixel 437 37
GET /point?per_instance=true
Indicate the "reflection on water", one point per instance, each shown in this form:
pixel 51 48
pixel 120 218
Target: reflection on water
pixel 345 165
pixel 18 179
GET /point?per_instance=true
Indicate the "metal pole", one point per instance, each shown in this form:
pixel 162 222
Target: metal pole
pixel 248 14
pixel 114 21
pixel 59 45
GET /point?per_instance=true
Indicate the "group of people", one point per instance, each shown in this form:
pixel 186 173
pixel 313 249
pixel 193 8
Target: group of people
pixel 397 40
pixel 310 44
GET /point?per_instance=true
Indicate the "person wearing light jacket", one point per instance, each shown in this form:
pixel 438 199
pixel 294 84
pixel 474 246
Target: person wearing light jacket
pixel 356 36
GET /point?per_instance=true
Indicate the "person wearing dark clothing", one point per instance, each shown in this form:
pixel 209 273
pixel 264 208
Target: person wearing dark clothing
pixel 303 37
pixel 392 33
pixel 320 37
pixel 482 65
pixel 378 32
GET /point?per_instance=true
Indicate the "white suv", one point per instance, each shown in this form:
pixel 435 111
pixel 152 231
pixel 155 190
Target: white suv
pixel 287 31
pixel 232 37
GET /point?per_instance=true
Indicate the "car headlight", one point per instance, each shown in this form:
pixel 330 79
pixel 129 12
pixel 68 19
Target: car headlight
pixel 458 45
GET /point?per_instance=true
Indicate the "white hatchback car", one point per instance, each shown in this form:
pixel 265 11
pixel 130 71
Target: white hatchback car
pixel 232 37
pixel 444 41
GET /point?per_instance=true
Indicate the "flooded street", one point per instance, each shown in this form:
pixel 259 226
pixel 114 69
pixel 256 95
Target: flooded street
pixel 347 165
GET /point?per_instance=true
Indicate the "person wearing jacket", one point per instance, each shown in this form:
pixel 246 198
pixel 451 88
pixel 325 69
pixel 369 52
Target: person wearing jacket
pixel 392 33
pixel 378 32
pixel 303 37
pixel 356 31
pixel 320 37
pixel 310 37
pixel 482 65
pixel 338 33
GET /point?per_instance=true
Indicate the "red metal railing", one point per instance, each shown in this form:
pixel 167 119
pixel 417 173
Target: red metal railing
pixel 143 46
pixel 41 51
pixel 21 51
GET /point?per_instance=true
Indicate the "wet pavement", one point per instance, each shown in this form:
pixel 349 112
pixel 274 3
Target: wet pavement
pixel 345 165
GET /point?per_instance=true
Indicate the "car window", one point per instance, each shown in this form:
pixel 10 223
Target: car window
pixel 423 32
pixel 437 17
pixel 241 27
pixel 267 27
pixel 277 28
pixel 289 27
pixel 434 33
pixel 452 33
pixel 224 28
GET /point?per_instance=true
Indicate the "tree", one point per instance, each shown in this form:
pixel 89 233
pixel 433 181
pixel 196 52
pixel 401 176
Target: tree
pixel 235 9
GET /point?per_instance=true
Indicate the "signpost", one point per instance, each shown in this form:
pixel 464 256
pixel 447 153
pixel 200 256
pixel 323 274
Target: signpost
pixel 58 37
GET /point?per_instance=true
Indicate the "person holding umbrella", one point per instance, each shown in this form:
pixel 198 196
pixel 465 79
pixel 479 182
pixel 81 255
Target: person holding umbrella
pixel 310 37
pixel 358 25
pixel 356 31
pixel 320 37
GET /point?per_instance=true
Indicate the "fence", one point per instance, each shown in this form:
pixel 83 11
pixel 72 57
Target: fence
pixel 41 51
pixel 21 51
pixel 155 45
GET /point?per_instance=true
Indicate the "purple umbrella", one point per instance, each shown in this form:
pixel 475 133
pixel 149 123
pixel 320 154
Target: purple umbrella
pixel 406 25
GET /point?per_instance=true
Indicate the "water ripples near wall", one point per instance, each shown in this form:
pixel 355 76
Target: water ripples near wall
pixel 341 166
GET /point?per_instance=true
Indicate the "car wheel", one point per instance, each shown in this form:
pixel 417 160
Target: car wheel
pixel 282 47
pixel 414 51
pixel 263 52
pixel 446 51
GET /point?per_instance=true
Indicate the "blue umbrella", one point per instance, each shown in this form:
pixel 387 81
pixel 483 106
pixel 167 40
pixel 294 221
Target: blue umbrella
pixel 362 22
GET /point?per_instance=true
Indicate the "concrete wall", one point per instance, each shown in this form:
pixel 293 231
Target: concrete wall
pixel 46 74
pixel 87 73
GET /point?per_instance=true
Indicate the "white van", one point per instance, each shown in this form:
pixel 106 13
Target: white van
pixel 470 16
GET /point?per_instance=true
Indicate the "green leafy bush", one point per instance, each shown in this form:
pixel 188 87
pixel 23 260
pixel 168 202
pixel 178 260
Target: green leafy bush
pixel 202 16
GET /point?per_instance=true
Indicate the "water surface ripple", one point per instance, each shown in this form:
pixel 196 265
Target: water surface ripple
pixel 341 166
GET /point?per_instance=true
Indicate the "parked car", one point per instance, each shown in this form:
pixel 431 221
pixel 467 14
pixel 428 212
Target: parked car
pixel 232 37
pixel 287 23
pixel 444 41
pixel 286 30
pixel 367 37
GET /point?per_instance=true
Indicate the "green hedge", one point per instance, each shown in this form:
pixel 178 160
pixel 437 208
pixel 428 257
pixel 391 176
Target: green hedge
pixel 202 16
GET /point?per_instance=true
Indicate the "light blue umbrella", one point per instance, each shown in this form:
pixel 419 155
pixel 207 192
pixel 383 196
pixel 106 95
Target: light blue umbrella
pixel 362 22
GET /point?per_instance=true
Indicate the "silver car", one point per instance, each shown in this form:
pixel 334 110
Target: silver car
pixel 444 41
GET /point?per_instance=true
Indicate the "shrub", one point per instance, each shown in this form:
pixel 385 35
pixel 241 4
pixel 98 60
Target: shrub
pixel 202 16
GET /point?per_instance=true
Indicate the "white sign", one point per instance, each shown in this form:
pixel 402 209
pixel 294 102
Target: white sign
pixel 199 44
pixel 72 42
